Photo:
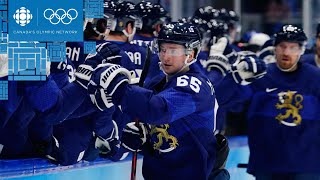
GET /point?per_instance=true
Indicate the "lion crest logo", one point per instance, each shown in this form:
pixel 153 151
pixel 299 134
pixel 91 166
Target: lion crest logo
pixel 291 102
pixel 162 134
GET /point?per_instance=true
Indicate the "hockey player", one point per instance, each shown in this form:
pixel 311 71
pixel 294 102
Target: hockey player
pixel 178 106
pixel 122 31
pixel 119 18
pixel 283 112
pixel 90 118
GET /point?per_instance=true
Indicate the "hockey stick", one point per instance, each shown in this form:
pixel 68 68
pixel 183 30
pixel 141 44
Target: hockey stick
pixel 143 76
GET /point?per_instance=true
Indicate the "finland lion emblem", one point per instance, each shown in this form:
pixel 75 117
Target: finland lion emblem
pixel 291 102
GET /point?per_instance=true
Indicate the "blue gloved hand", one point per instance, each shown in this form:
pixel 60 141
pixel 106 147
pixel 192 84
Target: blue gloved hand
pixel 133 137
pixel 108 146
pixel 105 53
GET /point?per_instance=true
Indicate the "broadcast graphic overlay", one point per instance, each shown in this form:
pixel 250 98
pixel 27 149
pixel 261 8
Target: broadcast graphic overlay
pixel 35 32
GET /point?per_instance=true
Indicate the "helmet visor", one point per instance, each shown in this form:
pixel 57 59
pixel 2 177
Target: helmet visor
pixel 171 51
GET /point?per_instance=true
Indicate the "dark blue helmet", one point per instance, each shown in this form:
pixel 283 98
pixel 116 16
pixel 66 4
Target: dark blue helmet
pixel 124 13
pixel 290 33
pixel 184 34
pixel 217 28
pixel 233 17
pixel 124 9
pixel 151 15
pixel 108 9
pixel 163 14
pixel 108 16
pixel 228 17
pixel 211 30
pixel 204 13
pixel 201 24
pixel 202 17
pixel 144 10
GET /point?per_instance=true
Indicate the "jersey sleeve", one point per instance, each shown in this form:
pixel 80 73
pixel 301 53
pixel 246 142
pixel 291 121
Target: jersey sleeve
pixel 68 99
pixel 42 95
pixel 232 96
pixel 215 77
pixel 8 107
pixel 175 102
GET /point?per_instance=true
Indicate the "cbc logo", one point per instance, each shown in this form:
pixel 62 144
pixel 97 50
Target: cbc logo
pixel 60 15
pixel 22 16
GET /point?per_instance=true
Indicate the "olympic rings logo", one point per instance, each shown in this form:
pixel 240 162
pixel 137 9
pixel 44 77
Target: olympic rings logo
pixel 60 15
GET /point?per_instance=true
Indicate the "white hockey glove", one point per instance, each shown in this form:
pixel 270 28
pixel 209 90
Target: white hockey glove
pixel 107 85
pixel 219 47
pixel 217 60
pixel 247 69
pixel 83 75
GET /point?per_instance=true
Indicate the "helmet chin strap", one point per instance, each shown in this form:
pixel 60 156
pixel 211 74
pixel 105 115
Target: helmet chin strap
pixel 155 33
pixel 102 35
pixel 130 36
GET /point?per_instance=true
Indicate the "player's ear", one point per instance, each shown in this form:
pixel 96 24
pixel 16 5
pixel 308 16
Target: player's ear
pixel 129 28
pixel 191 56
pixel 158 27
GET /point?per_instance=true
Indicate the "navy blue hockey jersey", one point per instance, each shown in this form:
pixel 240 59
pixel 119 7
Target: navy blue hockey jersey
pixel 181 115
pixel 137 55
pixel 142 40
pixel 75 52
pixel 282 116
